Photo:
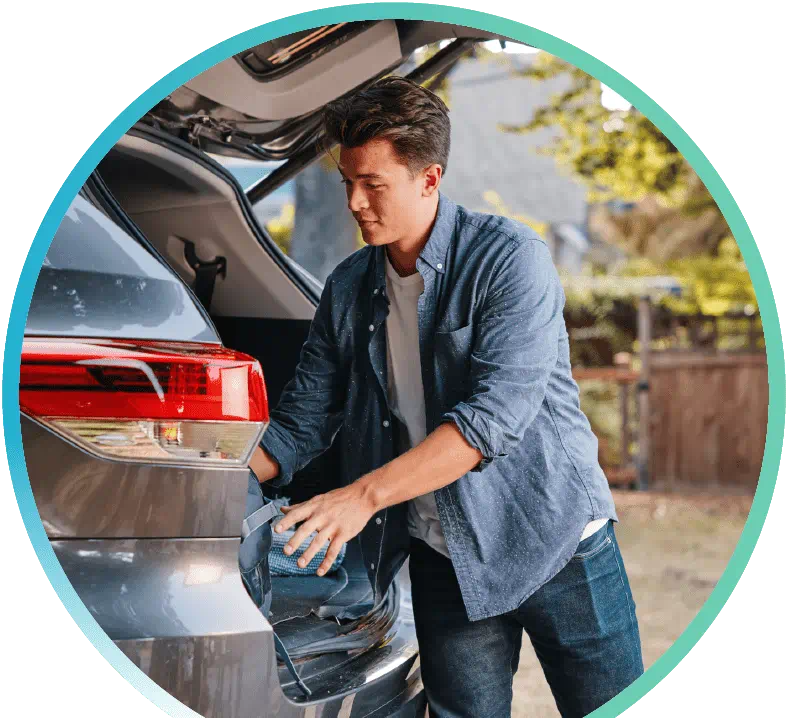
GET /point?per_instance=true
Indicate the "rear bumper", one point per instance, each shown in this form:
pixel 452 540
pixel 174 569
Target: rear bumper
pixel 178 610
pixel 236 676
pixel 381 683
pixel 409 704
pixel 223 675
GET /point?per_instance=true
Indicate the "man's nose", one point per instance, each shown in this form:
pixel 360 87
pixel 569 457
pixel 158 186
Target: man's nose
pixel 356 199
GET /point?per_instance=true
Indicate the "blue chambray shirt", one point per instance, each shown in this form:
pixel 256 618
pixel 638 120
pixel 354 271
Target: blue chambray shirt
pixel 495 361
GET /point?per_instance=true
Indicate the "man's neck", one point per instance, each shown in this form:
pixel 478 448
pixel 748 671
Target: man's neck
pixel 404 253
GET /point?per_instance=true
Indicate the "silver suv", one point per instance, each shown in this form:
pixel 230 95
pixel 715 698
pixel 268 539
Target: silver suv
pixel 164 322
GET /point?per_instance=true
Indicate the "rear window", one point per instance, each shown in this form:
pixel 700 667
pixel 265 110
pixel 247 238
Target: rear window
pixel 87 240
pixel 98 281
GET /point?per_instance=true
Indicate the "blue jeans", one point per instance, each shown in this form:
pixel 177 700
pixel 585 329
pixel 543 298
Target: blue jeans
pixel 581 623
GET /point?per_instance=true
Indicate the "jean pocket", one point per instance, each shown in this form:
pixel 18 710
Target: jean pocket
pixel 594 544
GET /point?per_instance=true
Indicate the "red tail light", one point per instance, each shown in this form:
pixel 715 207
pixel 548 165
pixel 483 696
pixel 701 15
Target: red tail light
pixel 150 402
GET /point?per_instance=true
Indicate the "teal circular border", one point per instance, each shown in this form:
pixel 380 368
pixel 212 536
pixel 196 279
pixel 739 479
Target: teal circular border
pixel 408 11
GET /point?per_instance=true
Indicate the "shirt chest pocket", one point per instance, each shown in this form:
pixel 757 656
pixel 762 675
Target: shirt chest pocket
pixel 453 357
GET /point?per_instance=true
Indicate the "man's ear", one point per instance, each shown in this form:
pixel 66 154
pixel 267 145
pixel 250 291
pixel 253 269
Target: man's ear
pixel 432 179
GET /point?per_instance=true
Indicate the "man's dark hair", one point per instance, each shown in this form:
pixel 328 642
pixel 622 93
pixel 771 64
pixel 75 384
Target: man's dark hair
pixel 413 119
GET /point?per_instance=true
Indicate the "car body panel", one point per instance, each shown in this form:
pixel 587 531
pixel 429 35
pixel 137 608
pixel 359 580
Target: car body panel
pixel 265 102
pixel 81 496
pixel 157 588
pixel 199 208
pixel 307 88
pixel 178 610
pixel 151 550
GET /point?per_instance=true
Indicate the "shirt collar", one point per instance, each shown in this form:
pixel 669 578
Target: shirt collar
pixel 434 252
pixel 436 248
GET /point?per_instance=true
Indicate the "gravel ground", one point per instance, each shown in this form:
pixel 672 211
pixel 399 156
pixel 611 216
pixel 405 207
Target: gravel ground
pixel 675 547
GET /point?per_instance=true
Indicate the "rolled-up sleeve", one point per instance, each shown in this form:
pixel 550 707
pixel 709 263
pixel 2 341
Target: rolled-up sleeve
pixel 310 411
pixel 514 353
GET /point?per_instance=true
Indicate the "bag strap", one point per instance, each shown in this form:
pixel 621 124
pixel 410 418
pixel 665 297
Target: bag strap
pixel 285 656
pixel 258 519
pixel 253 523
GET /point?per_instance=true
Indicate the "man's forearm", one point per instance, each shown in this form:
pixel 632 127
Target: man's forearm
pixel 263 465
pixel 340 515
pixel 442 458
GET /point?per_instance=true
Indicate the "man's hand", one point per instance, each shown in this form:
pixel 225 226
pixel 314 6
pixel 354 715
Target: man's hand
pixel 337 516
pixel 340 515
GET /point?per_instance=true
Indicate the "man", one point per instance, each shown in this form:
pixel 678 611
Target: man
pixel 441 350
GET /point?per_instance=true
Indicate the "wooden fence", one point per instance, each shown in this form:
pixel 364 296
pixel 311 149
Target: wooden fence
pixel 625 472
pixel 707 418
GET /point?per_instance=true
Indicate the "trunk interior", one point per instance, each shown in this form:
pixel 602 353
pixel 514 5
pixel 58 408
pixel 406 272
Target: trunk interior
pixel 261 306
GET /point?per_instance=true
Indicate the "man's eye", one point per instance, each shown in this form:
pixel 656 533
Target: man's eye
pixel 374 186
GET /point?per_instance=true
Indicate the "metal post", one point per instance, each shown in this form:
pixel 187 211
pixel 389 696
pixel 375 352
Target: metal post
pixel 644 418
pixel 623 396
pixel 753 339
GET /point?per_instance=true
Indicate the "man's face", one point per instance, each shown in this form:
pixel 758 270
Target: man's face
pixel 384 198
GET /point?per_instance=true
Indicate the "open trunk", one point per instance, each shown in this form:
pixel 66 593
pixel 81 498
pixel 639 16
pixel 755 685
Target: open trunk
pixel 261 304
pixel 266 103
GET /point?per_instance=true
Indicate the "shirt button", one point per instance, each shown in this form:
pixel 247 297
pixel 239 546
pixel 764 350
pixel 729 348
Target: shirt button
pixel 440 266
pixel 372 327
pixel 375 291
pixel 372 566
pixel 378 521
pixel 386 423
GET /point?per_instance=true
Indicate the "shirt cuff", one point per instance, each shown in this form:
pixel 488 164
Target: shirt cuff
pixel 476 431
pixel 277 443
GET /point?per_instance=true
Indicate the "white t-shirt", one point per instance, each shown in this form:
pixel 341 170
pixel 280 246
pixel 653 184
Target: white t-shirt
pixel 406 396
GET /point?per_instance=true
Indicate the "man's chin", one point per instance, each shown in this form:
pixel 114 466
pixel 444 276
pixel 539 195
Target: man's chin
pixel 372 237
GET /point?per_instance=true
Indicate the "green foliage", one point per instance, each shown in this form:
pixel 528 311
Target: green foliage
pixel 498 207
pixel 713 285
pixel 618 154
pixel 281 228
pixel 602 315
pixel 649 229
pixel 600 403
pixel 674 228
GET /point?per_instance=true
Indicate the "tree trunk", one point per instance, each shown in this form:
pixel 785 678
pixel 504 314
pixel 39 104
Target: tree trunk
pixel 325 231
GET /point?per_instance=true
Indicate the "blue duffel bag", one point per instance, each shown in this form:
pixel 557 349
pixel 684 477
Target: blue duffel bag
pixel 253 560
pixel 283 565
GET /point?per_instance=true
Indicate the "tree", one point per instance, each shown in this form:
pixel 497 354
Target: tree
pixel 711 285
pixel 622 155
pixel 499 207
pixel 661 233
pixel 324 231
